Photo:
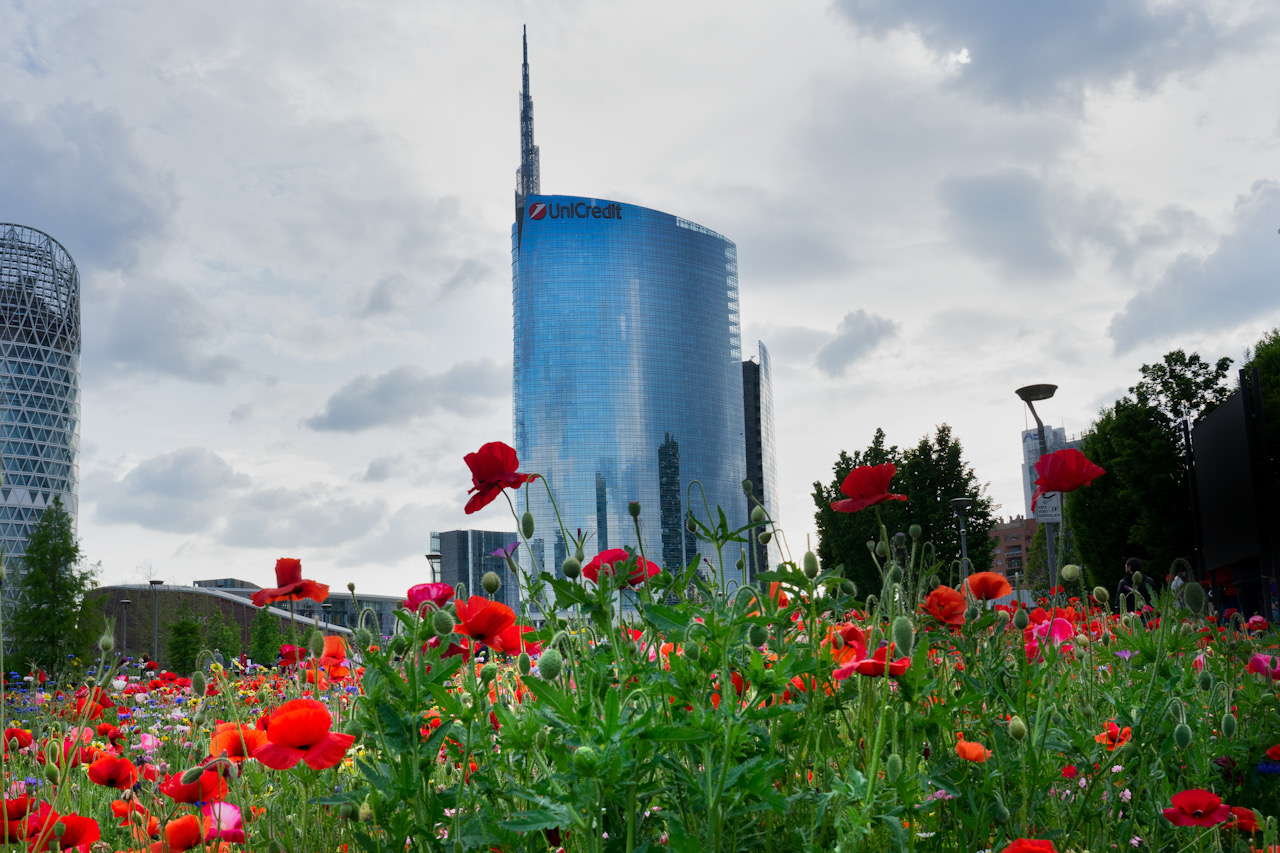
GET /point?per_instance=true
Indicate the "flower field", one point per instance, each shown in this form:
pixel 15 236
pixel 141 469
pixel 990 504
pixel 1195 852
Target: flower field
pixel 650 710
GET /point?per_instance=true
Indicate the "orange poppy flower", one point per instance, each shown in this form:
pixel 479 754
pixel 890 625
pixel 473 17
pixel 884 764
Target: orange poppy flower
pixel 111 771
pixel 947 605
pixel 182 834
pixel 853 643
pixel 482 619
pixel 1114 737
pixel 511 641
pixel 237 742
pixel 290 585
pixel 986 586
pixel 971 750
pixel 299 730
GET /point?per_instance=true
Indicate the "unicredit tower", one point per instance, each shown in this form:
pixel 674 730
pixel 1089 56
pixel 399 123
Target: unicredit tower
pixel 628 369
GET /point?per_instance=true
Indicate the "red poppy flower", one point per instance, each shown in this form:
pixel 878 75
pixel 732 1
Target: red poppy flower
pixel 1064 471
pixel 111 771
pixel 182 834
pixel 618 559
pixel 209 787
pixel 1274 753
pixel 299 730
pixel 77 831
pixel 493 468
pixel 436 593
pixel 22 736
pixel 875 665
pixel 947 605
pixel 290 585
pixel 1114 737
pixel 971 750
pixel 852 645
pixel 1244 820
pixel 1030 845
pixel 986 586
pixel 512 641
pixel 290 655
pixel 236 742
pixel 866 486
pixel 482 619
pixel 1197 807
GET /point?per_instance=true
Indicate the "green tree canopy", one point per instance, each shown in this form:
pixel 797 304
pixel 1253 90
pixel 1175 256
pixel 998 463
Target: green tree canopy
pixel 264 638
pixel 49 595
pixel 930 475
pixel 185 641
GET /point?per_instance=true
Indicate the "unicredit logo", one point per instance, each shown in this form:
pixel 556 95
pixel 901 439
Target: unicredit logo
pixel 580 210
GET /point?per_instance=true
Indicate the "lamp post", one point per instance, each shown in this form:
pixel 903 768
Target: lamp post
pixel 958 506
pixel 155 619
pixel 124 643
pixel 326 607
pixel 1030 395
pixel 433 560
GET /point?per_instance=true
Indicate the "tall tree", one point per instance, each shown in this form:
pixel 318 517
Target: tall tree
pixel 185 641
pixel 264 638
pixel 1183 386
pixel 1265 356
pixel 930 475
pixel 49 595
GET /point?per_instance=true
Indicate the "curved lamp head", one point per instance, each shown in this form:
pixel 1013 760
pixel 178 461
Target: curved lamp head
pixel 1036 393
pixel 961 504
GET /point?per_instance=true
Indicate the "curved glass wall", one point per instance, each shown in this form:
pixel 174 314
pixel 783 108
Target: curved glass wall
pixel 39 381
pixel 627 374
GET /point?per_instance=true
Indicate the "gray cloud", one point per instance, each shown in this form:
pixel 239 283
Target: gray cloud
pixel 77 173
pixel 310 517
pixel 1238 282
pixel 856 336
pixel 387 296
pixel 1004 218
pixel 406 392
pixel 151 328
pixel 1036 52
pixel 180 492
pixel 382 468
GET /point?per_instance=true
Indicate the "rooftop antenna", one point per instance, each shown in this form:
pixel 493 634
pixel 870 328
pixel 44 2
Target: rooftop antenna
pixel 527 176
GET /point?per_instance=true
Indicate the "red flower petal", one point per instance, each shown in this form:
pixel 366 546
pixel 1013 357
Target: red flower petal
pixel 867 486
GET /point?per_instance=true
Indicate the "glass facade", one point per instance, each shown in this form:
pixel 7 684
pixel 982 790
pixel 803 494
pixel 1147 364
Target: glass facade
pixel 465 557
pixel 627 374
pixel 40 381
pixel 762 464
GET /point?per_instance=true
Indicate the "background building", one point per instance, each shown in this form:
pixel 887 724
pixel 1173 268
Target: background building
pixel 465 556
pixel 627 375
pixel 1013 542
pixel 40 382
pixel 762 463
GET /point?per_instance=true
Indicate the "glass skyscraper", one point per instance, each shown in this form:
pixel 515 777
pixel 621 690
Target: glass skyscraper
pixel 39 380
pixel 628 369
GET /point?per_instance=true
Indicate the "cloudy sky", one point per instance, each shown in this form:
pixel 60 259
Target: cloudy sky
pixel 292 225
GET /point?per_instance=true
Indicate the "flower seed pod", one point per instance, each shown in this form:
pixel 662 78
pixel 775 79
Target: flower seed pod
pixel 199 684
pixel 633 509
pixel 849 588
pixel 524 664
pixel 192 775
pixel 363 638
pixel 488 673
pixel 871 545
pixel 893 767
pixel 443 623
pixel 316 644
pixel 1182 735
pixel 1070 573
pixel 351 586
pixel 904 636
pixel 1193 597
pixel 365 813
pixel 1021 620
pixel 971 613
pixel 348 811
pixel 757 635
pixel 526 524
pixel 915 531
pixel 58 829
pixel 1229 726
pixel 764 537
pixel 1101 595
pixel 810 565
pixel 747 486
pixel 882 549
pixel 1017 728
pixel 757 514
pixel 550 665
pixel 571 568
pixel 491 582
pixel 107 642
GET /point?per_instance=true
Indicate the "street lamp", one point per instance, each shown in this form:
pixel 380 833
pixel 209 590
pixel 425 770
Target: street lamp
pixel 958 506
pixel 1030 395
pixel 326 607
pixel 124 644
pixel 433 560
pixel 155 619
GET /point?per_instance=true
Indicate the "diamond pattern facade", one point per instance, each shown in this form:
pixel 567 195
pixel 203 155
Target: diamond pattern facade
pixel 39 381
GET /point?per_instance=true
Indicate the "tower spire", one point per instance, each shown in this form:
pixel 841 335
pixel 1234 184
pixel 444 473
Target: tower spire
pixel 527 177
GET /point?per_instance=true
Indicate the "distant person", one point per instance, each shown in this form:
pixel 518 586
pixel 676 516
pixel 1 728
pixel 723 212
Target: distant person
pixel 1127 585
pixel 1176 585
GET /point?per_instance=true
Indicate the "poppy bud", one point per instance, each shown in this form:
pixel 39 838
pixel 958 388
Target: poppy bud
pixel 199 684
pixel 1082 640
pixel 107 642
pixel 849 588
pixel 443 623
pixel 757 514
pixel 971 613
pixel 1138 577
pixel 1101 595
pixel 934 582
pixel 1182 735
pixel 571 568
pixel 1193 597
pixel 882 549
pixel 51 773
pixel 550 665
pixel 1070 573
pixel 1017 728
pixel 488 672
pixel 363 638
pixel 690 523
pixel 764 537
pixel 192 775
pixel 526 524
pixel 347 811
pixel 747 486
pixel 584 759
pixel 59 828
pixel 524 664
pixel 315 644
pixel 893 767
pixel 810 565
pixel 491 582
pixel 757 635
pixel 915 530
pixel 365 813
pixel 741 563
pixel 1001 813
pixel 351 586
pixel 633 509
pixel 895 575
pixel 693 651
pixel 1229 725
pixel 904 636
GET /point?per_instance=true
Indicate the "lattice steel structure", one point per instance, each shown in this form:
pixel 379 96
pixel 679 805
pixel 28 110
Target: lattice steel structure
pixel 39 381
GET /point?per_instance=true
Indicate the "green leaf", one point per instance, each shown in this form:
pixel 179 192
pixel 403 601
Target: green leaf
pixel 675 734
pixel 668 620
